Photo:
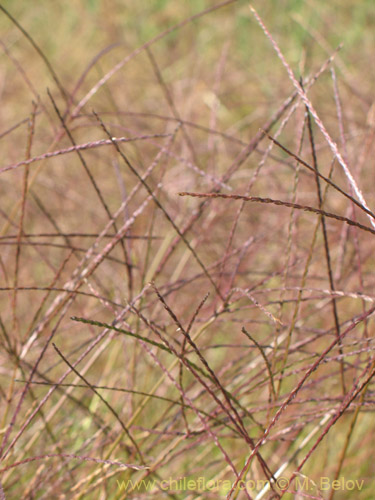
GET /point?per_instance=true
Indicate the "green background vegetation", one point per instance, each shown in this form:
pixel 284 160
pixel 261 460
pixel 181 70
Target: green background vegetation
pixel 223 76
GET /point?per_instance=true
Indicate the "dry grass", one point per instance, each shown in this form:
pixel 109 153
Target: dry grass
pixel 187 250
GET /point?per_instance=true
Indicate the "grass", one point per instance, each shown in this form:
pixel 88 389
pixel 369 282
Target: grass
pixel 187 240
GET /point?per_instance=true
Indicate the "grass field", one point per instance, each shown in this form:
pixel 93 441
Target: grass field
pixel 187 237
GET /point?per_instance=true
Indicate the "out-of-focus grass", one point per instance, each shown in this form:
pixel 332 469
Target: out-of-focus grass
pixel 221 73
